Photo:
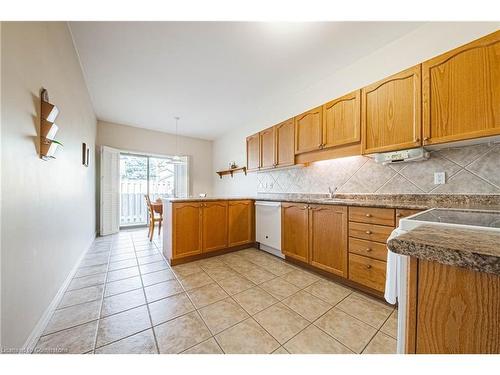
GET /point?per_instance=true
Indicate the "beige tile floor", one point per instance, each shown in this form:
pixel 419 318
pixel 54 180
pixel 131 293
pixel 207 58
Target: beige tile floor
pixel 126 299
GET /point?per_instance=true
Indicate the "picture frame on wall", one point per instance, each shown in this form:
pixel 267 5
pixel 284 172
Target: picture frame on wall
pixel 85 155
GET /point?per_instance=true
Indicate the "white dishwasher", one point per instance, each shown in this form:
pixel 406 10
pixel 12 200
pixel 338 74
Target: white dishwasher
pixel 268 226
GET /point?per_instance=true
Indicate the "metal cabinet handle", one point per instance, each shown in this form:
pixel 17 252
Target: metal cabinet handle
pixel 368 232
pixel 368 266
pixel 368 250
pixel 368 215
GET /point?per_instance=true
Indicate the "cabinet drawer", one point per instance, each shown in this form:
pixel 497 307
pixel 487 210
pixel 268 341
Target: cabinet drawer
pixel 369 232
pixel 370 215
pixel 402 213
pixel 367 271
pixel 375 250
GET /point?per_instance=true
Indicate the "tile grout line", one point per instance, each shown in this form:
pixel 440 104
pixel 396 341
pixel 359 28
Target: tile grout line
pixel 146 300
pixel 101 304
pixel 76 325
pixel 273 304
pixel 230 297
pixel 318 318
pixel 312 323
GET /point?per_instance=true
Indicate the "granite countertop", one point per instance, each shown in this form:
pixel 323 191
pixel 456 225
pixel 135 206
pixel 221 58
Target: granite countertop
pixel 405 201
pixel 475 249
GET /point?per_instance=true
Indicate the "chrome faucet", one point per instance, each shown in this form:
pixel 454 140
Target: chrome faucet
pixel 331 192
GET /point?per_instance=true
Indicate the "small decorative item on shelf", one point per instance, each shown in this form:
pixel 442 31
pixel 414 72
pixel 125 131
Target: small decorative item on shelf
pixel 48 129
pixel 85 154
pixel 232 165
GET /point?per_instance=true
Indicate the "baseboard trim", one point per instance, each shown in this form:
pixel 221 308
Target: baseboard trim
pixel 33 338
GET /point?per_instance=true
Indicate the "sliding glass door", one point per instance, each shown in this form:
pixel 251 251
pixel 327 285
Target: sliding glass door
pixel 158 177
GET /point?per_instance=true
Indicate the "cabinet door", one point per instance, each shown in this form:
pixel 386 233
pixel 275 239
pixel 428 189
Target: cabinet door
pixel 391 113
pixel 214 226
pixel 403 213
pixel 341 120
pixel 294 231
pixel 186 224
pixel 241 222
pixel 458 310
pixel 267 148
pixel 308 130
pixel 253 152
pixel 328 238
pixel 461 92
pixel 285 141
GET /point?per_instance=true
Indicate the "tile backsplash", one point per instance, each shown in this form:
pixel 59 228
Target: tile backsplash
pixel 469 170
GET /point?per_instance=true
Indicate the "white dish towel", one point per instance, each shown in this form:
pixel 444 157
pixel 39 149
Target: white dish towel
pixel 395 287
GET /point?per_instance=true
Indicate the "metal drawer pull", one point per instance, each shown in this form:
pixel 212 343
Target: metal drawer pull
pixel 368 266
pixel 368 215
pixel 368 250
pixel 368 232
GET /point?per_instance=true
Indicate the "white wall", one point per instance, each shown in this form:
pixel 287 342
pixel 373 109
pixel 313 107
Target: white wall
pixel 149 141
pixel 425 42
pixel 48 209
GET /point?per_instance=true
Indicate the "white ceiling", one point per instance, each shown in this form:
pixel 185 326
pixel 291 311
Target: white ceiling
pixel 214 75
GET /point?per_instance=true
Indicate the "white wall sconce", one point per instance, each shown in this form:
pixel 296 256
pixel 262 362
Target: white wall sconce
pixel 48 129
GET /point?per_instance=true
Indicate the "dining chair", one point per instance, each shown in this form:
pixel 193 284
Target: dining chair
pixel 153 218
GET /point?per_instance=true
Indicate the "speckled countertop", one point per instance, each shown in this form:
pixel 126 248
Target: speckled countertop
pixel 406 201
pixel 478 250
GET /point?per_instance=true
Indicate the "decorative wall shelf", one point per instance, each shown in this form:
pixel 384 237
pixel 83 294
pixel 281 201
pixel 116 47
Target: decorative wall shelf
pixel 48 129
pixel 231 171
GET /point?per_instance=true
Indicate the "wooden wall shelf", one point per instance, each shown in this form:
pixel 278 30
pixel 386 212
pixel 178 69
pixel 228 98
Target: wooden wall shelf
pixel 231 171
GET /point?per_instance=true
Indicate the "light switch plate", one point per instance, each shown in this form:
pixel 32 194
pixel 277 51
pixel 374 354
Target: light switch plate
pixel 439 178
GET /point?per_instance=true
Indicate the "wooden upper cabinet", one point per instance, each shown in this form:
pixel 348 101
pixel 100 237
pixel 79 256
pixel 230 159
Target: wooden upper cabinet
pixel 267 148
pixel 391 113
pixel 328 238
pixel 461 92
pixel 215 223
pixel 308 130
pixel 294 231
pixel 285 141
pixel 241 222
pixel 253 152
pixel 186 224
pixel 341 120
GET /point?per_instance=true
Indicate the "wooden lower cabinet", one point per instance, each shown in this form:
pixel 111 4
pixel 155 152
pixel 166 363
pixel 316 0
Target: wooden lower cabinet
pixel 369 228
pixel 192 229
pixel 241 222
pixel 215 223
pixel 294 231
pixel 328 238
pixel 316 234
pixel 186 229
pixel 455 310
pixel 367 271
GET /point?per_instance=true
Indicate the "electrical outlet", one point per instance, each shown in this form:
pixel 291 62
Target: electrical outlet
pixel 439 178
